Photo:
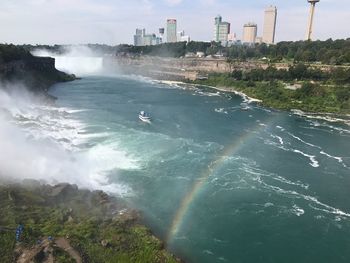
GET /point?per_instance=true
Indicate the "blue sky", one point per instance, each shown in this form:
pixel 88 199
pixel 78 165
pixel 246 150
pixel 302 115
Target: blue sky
pixel 114 21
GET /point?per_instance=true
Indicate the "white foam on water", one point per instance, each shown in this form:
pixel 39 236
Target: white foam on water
pixel 277 137
pixel 301 140
pixel 281 145
pixel 281 128
pixel 338 159
pixel 261 177
pixel 221 110
pixel 313 163
pixel 328 117
pixel 208 94
pixel 297 210
pixel 42 142
pixel 313 200
pixel 263 174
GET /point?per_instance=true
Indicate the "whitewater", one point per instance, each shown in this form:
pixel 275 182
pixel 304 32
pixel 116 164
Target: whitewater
pixel 216 182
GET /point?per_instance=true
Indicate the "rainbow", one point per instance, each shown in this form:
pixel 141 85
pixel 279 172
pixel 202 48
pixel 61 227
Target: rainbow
pixel 198 186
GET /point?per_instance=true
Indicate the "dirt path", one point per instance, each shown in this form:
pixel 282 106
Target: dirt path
pixel 64 244
pixel 28 255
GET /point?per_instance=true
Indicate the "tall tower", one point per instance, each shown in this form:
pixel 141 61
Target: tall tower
pixel 221 30
pixel 311 18
pixel 171 31
pixel 269 25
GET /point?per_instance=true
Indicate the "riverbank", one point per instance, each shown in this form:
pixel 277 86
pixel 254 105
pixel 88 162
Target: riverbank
pixel 310 97
pixel 295 86
pixel 65 223
pixel 325 116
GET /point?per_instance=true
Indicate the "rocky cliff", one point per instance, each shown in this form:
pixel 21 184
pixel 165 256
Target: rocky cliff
pixel 37 73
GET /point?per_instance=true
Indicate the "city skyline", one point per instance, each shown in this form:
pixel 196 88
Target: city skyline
pixel 114 22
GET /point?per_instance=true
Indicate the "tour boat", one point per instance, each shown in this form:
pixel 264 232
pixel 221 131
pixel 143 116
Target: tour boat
pixel 145 117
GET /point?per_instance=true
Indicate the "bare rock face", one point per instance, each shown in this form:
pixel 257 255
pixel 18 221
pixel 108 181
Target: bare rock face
pixel 103 197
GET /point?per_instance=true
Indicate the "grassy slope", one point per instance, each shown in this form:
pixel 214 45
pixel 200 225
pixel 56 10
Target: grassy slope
pixel 83 217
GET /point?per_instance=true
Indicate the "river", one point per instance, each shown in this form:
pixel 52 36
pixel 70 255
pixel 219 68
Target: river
pixel 219 180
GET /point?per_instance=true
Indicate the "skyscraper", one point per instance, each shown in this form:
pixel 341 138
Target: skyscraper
pixel 249 33
pixel 138 37
pixel 143 39
pixel 269 25
pixel 171 31
pixel 221 30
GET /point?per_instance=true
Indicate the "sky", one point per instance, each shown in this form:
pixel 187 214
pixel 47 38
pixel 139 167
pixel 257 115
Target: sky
pixel 114 21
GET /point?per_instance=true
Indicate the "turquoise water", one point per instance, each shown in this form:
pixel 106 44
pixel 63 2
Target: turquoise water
pixel 218 183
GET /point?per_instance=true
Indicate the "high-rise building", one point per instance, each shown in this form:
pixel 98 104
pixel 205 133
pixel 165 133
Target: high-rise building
pixel 138 37
pixel 269 30
pixel 171 31
pixel 249 33
pixel 221 30
pixel 143 39
pixel 181 37
pixel 232 37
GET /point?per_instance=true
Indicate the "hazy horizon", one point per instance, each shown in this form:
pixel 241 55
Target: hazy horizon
pixel 114 22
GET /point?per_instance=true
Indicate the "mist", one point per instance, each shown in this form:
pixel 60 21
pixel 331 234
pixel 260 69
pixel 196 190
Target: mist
pixel 81 60
pixel 39 141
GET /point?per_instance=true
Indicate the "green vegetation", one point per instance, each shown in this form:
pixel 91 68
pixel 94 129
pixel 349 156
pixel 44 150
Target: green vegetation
pixel 164 50
pixel 295 72
pixel 328 52
pixel 332 52
pixel 37 73
pixel 89 221
pixel 11 52
pixel 310 90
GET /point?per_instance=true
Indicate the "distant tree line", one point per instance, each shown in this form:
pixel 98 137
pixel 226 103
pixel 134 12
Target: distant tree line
pixel 327 52
pixel 296 72
pixel 334 52
pixel 177 49
pixel 11 52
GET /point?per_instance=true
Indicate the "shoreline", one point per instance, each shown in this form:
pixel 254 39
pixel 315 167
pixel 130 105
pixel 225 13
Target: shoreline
pixel 325 116
pixel 245 97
